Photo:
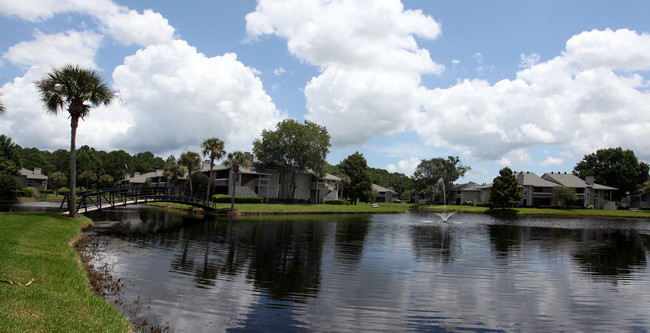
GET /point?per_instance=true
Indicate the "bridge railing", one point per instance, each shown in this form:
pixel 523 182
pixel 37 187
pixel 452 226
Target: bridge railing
pixel 121 196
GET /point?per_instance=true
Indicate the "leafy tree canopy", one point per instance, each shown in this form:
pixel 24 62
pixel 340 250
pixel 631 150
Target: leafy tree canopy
pixel 293 147
pixel 614 167
pixel 564 195
pixel 355 169
pixel 505 189
pixel 9 156
pixel 429 172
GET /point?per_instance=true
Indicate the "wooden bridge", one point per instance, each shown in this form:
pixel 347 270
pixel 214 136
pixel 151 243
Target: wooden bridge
pixel 89 201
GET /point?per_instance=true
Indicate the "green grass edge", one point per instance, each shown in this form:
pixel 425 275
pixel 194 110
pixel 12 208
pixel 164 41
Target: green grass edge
pixel 39 246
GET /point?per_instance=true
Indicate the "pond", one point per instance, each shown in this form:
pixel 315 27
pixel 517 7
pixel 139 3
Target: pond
pixel 405 272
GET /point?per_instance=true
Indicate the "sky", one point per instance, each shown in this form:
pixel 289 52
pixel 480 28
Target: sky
pixel 532 85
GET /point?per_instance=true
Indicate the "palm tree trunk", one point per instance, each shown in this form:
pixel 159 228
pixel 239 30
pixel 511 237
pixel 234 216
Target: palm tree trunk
pixel 210 180
pixel 189 177
pixel 232 197
pixel 72 200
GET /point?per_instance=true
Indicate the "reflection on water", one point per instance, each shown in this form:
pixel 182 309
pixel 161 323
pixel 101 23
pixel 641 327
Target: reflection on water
pixel 381 272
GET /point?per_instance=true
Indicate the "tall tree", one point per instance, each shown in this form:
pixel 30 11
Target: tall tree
pixel 106 180
pixel 355 168
pixel 88 176
pixel 213 148
pixel 9 156
pixel 293 147
pixel 564 194
pixel 614 167
pixel 236 160
pixel 72 87
pixel 191 161
pixel 57 179
pixel 429 172
pixel 505 189
pixel 173 170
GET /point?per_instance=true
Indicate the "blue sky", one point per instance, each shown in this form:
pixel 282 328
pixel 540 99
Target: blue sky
pixel 533 85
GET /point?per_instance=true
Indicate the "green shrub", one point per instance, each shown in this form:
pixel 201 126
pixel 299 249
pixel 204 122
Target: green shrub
pixel 64 190
pixel 28 192
pixel 482 204
pixel 335 202
pixel 576 207
pixel 8 186
pixel 223 198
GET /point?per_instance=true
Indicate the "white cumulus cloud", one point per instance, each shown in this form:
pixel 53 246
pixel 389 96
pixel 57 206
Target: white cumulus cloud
pixel 578 100
pixel 369 60
pixel 178 97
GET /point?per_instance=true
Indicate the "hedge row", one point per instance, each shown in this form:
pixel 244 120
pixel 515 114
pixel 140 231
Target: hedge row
pixel 335 202
pixel 223 198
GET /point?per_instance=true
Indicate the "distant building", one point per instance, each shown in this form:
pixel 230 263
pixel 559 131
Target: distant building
pixel 383 194
pixel 257 180
pixel 32 178
pixel 589 193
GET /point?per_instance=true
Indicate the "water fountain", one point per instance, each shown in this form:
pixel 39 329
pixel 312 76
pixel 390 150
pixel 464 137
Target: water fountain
pixel 444 216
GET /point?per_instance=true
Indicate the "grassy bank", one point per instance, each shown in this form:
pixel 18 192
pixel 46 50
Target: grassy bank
pixel 302 208
pixel 644 214
pixel 37 247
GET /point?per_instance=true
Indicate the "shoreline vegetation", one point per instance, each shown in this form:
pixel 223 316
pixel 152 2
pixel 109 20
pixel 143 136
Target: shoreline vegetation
pixel 39 248
pixel 395 208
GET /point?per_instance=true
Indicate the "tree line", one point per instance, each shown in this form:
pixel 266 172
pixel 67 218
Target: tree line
pixel 290 148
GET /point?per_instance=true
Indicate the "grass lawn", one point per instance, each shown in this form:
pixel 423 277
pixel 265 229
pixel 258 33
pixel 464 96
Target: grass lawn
pixel 301 208
pixel 644 214
pixel 37 246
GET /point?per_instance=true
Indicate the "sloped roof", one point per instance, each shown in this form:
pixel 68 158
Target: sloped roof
pixel 471 186
pixel 566 179
pixel 381 188
pixel 29 174
pixel 531 179
pixel 603 187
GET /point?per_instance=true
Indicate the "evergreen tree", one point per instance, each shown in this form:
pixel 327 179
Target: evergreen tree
pixel 505 189
pixel 356 170
pixel 9 157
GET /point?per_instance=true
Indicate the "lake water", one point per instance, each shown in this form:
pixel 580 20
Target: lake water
pixel 405 272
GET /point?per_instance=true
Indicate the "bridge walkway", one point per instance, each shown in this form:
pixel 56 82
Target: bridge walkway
pixel 89 201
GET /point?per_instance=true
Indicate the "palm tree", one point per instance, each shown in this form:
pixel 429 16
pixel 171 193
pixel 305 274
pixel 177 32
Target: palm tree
pixel 2 107
pixel 88 176
pixel 191 161
pixel 214 149
pixel 173 170
pixel 71 87
pixel 236 160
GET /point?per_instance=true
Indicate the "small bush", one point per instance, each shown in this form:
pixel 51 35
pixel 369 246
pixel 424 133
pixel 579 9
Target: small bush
pixel 335 202
pixel 482 204
pixel 223 198
pixel 28 192
pixel 576 207
pixel 64 190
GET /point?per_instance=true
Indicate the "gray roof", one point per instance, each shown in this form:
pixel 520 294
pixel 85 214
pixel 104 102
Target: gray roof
pixel 572 181
pixel 566 179
pixel 531 179
pixel 29 174
pixel 603 187
pixel 381 188
pixel 471 186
